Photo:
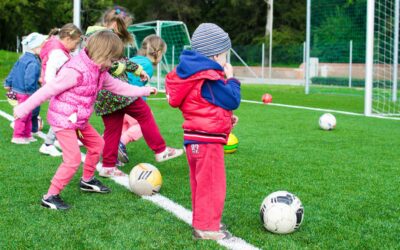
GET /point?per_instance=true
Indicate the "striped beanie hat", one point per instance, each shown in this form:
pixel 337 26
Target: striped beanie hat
pixel 210 40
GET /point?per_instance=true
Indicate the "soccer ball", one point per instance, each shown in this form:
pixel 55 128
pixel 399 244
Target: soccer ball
pixel 327 121
pixel 281 212
pixel 232 144
pixel 266 98
pixel 145 179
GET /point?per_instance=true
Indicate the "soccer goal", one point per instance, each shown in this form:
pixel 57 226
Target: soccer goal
pixel 382 50
pixel 175 35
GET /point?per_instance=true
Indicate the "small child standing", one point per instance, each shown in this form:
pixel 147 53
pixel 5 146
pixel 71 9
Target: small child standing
pixel 150 54
pixel 54 54
pixel 23 80
pixel 197 86
pixel 73 94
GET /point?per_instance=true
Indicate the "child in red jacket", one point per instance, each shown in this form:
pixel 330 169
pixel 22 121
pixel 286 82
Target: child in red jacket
pixel 198 87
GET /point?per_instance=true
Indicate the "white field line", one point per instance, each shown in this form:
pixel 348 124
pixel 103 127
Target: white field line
pixel 306 108
pixel 179 211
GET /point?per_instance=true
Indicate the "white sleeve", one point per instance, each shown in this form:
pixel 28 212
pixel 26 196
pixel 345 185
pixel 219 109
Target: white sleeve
pixel 56 60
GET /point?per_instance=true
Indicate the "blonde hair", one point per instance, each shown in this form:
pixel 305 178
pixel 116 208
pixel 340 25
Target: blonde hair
pixel 68 30
pixel 104 45
pixel 154 47
pixel 122 18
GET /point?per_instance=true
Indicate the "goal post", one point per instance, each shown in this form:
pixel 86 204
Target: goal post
pixel 176 36
pixel 381 71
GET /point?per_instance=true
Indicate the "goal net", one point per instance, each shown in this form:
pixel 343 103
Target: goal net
pixel 382 96
pixel 175 35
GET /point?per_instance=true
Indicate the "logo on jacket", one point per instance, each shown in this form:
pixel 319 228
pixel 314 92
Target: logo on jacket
pixel 195 148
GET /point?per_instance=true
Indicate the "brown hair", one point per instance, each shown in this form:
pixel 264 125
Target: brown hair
pixel 68 30
pixel 122 18
pixel 153 46
pixel 104 45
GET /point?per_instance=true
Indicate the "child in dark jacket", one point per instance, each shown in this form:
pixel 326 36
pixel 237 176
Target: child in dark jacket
pixel 198 87
pixel 23 80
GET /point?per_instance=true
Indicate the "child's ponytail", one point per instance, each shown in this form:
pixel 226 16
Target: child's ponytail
pixel 122 20
pixel 153 47
pixel 68 30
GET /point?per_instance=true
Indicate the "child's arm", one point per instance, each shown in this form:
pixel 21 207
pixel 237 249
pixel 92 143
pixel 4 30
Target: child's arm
pixel 65 79
pixel 122 88
pixel 223 94
pixel 9 79
pixel 31 76
pixel 57 58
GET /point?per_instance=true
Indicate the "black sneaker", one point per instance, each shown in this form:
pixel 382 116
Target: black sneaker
pixel 93 185
pixel 122 153
pixel 55 202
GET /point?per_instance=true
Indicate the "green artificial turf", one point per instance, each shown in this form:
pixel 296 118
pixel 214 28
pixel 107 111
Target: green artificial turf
pixel 347 180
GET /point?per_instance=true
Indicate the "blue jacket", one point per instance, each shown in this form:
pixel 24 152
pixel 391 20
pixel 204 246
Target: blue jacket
pixel 223 94
pixel 24 75
pixel 147 67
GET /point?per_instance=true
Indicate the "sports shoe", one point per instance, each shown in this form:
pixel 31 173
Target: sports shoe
pixel 111 172
pixel 31 139
pixel 54 202
pixel 211 235
pixel 122 153
pixel 168 153
pixel 119 164
pixel 80 144
pixel 93 185
pixel 20 140
pixel 49 150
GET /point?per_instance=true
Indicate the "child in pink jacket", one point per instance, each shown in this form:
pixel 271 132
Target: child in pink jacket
pixel 72 94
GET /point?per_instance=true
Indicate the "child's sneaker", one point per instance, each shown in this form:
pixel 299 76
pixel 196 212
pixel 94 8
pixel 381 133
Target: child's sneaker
pixel 168 153
pixel 122 153
pixel 211 235
pixel 31 139
pixel 111 172
pixel 19 140
pixel 54 202
pixel 93 185
pixel 49 150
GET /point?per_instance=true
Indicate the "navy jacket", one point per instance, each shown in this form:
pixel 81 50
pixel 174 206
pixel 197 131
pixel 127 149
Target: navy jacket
pixel 24 75
pixel 225 94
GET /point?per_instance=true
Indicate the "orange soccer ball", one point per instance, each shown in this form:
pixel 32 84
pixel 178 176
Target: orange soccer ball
pixel 267 98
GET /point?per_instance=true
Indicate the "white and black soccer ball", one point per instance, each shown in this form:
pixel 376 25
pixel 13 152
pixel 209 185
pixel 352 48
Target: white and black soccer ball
pixel 281 212
pixel 327 121
pixel 145 179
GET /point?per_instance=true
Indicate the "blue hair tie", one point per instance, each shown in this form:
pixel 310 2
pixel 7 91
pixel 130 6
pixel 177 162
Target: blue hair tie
pixel 117 11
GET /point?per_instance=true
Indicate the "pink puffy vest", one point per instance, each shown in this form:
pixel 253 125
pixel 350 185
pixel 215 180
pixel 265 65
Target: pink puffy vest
pixel 51 44
pixel 78 99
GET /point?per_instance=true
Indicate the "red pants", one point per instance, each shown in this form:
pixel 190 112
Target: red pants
pixel 113 128
pixel 208 184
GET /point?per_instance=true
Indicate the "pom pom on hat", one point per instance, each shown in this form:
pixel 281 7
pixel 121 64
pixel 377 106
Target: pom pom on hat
pixel 210 40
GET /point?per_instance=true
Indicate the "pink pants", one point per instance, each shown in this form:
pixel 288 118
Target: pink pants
pixel 68 140
pixel 208 184
pixel 23 126
pixel 130 130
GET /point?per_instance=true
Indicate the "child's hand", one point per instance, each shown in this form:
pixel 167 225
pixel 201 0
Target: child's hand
pixel 144 77
pixel 234 120
pixel 153 91
pixel 7 88
pixel 228 70
pixel 15 115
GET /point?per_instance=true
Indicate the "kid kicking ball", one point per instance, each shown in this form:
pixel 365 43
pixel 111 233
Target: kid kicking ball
pixel 267 98
pixel 281 212
pixel 327 121
pixel 145 179
pixel 232 144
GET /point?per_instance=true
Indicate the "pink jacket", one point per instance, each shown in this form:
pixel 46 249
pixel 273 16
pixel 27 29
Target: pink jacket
pixel 74 92
pixel 52 44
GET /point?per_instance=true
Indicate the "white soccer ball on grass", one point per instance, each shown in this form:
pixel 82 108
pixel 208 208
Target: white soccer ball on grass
pixel 327 121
